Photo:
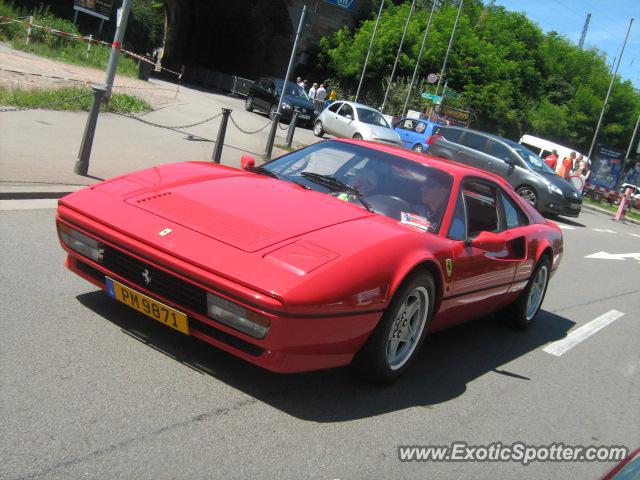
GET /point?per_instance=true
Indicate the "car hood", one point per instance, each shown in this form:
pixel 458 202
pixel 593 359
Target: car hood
pixel 382 133
pixel 301 103
pixel 568 190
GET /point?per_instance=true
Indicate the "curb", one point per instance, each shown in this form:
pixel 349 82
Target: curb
pixel 607 212
pixel 36 192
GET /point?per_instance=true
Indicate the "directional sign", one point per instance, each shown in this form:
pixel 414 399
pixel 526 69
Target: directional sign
pixel 614 256
pixel 431 96
pixel 346 4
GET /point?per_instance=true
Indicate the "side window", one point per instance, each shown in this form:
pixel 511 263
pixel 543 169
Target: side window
pixel 498 150
pixel 473 140
pixel 406 124
pixel 262 83
pixel 482 208
pixel 451 134
pixel 334 107
pixel 458 227
pixel 514 217
pixel 346 110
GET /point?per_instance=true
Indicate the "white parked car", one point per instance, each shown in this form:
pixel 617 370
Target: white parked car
pixel 354 120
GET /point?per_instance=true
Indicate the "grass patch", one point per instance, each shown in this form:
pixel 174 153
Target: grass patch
pixel 69 98
pixel 55 47
pixel 631 213
pixel 282 146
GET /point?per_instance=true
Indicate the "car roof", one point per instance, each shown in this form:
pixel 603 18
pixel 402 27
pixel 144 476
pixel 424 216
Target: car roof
pixel 456 169
pixel 359 105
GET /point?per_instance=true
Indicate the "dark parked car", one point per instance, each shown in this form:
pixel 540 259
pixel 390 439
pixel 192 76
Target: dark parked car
pixel 523 169
pixel 265 93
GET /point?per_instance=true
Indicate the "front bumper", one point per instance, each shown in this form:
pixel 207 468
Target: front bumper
pixel 568 207
pixel 293 343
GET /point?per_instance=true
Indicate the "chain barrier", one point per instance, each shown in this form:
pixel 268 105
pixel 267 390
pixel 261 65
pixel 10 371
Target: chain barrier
pixel 168 127
pixel 47 105
pixel 247 131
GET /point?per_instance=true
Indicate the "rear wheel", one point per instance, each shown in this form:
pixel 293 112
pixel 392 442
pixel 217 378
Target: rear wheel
pixel 396 340
pixel 418 148
pixel 248 104
pixel 357 136
pixel 317 129
pixel 521 313
pixel 529 194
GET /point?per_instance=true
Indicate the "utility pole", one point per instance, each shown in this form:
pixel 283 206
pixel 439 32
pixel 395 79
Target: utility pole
pixel 584 31
pixel 82 165
pixel 633 137
pixel 446 56
pixel 606 99
pixel 415 71
pixel 276 118
pixel 366 60
pixel 395 64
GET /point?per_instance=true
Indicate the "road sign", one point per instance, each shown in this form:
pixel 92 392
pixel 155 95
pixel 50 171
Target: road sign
pixel 432 78
pixel 431 96
pixel 346 4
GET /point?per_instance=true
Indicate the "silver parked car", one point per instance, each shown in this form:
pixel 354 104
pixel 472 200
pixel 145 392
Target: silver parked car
pixel 354 120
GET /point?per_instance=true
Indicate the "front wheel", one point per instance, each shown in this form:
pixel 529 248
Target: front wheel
pixel 318 131
pixel 248 104
pixel 272 111
pixel 418 148
pixel 521 313
pixel 396 340
pixel 529 194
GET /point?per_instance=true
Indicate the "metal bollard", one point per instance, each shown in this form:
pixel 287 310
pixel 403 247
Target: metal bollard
pixel 82 165
pixel 624 202
pixel 272 137
pixel 29 30
pixel 217 152
pixel 292 128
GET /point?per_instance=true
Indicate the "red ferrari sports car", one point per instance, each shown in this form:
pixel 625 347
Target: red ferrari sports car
pixel 344 251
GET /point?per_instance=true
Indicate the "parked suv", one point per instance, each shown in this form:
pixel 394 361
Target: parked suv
pixel 265 93
pixel 523 169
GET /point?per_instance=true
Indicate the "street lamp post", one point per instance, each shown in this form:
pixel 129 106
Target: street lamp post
pixel 393 71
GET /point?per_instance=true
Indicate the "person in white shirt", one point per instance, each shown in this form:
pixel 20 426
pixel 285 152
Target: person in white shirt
pixel 313 90
pixel 321 95
pixel 299 82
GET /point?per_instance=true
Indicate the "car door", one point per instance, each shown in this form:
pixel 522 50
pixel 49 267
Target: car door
pixel 405 128
pixel 330 117
pixel 260 94
pixel 485 253
pixel 345 121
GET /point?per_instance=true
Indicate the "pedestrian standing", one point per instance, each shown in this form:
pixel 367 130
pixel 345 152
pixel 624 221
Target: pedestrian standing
pixel 305 85
pixel 566 166
pixel 552 160
pixel 312 91
pixel 320 97
pixel 299 81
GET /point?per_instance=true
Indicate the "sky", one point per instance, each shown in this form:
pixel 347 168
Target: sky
pixel 607 28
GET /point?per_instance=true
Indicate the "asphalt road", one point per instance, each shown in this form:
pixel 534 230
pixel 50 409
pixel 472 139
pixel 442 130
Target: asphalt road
pixel 90 389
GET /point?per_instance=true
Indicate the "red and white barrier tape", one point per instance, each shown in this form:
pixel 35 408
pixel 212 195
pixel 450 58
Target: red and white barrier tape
pixel 75 36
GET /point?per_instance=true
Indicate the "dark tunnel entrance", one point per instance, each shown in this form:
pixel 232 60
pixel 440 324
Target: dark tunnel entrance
pixel 241 37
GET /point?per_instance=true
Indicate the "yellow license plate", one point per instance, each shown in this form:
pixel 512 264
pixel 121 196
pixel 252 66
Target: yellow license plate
pixel 148 306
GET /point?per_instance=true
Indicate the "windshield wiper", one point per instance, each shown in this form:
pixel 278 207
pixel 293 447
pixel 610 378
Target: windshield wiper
pixel 272 174
pixel 337 185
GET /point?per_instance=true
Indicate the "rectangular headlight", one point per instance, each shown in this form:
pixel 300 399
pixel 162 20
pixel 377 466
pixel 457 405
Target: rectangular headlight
pixel 237 317
pixel 81 243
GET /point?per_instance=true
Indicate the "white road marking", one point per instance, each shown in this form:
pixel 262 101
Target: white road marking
pixel 566 227
pixel 614 256
pixel 635 235
pixel 603 230
pixel 582 333
pixel 31 204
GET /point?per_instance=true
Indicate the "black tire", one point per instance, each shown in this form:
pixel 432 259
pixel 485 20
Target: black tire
pixel 248 104
pixel 372 361
pixel 517 314
pixel 529 194
pixel 318 131
pixel 272 111
pixel 418 148
pixel 357 136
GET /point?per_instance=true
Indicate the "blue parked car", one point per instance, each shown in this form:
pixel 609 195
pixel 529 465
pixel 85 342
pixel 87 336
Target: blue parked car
pixel 415 132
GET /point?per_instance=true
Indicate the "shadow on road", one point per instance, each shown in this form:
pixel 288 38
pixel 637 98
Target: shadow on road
pixel 447 363
pixel 566 221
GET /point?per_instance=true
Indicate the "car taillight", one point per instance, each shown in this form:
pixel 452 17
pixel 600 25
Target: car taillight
pixel 433 138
